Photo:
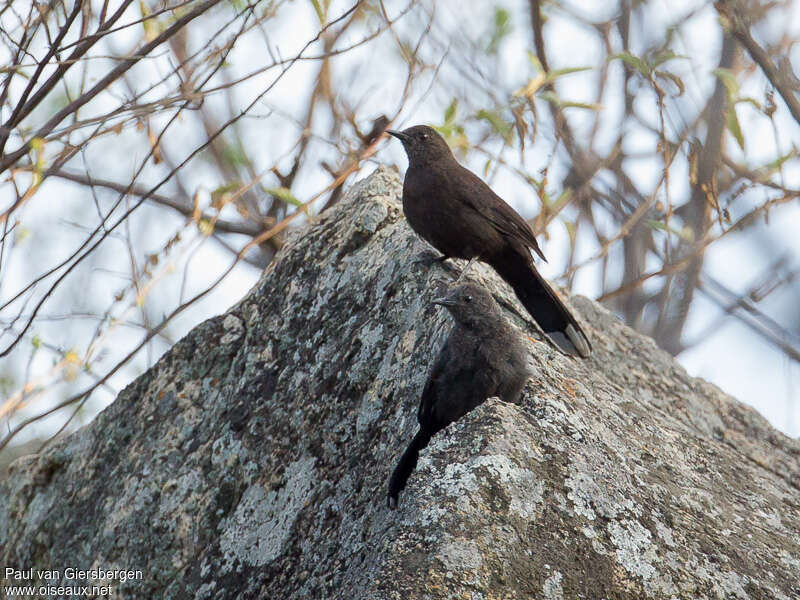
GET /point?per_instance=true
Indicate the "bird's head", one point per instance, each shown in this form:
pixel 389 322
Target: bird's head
pixel 469 303
pixel 422 144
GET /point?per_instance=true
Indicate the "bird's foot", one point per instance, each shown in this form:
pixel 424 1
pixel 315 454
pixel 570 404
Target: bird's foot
pixel 465 269
pixel 428 258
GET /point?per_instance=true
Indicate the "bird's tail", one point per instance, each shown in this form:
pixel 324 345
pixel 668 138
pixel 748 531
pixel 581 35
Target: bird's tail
pixel 406 465
pixel 542 303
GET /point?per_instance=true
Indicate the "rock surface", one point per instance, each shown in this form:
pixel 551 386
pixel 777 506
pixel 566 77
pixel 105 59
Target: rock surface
pixel 251 461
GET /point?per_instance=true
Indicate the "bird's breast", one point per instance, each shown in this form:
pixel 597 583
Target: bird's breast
pixel 433 210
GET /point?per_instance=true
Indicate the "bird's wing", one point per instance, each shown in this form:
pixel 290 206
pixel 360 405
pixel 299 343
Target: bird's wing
pixel 457 383
pixel 448 378
pixel 429 392
pixel 494 209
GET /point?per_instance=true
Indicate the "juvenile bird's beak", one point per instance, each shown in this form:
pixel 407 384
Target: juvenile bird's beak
pixel 446 302
pixel 398 134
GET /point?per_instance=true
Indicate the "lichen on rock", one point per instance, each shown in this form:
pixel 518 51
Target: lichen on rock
pixel 251 460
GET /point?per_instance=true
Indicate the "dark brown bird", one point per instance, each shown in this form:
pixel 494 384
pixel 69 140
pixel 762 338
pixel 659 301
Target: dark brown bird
pixel 452 209
pixel 482 357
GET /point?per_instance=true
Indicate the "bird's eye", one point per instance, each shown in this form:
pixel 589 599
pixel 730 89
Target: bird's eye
pixel 467 298
pixel 424 136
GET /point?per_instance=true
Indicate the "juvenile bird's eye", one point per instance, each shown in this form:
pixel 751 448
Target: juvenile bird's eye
pixel 424 136
pixel 468 299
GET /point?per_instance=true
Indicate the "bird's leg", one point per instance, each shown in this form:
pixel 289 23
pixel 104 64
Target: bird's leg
pixel 465 269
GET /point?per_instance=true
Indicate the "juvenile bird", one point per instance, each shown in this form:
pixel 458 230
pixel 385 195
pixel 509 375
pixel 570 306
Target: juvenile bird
pixel 458 214
pixel 482 357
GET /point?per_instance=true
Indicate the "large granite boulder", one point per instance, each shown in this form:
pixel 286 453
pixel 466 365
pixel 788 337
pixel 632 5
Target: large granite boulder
pixel 251 461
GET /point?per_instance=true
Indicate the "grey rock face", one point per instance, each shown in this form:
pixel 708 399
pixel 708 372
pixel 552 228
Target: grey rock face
pixel 251 461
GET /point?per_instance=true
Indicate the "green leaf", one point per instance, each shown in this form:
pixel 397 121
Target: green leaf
pixel 572 230
pixel 319 10
pixel 535 62
pixel 551 96
pixel 37 145
pixel 152 28
pixel 450 112
pixel 734 127
pixel 284 194
pixel 500 125
pixel 727 77
pixel 563 198
pixel 455 136
pixel 532 86
pixel 556 73
pixel 665 56
pixel 583 105
pixel 634 62
pixel 234 155
pixel 502 27
pixel 777 164
pixel 224 190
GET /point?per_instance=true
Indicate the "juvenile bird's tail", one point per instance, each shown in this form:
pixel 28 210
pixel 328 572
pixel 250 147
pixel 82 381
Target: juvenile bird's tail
pixel 406 465
pixel 541 302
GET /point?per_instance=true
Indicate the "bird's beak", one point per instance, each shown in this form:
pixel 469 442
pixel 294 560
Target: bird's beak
pixel 446 302
pixel 398 134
